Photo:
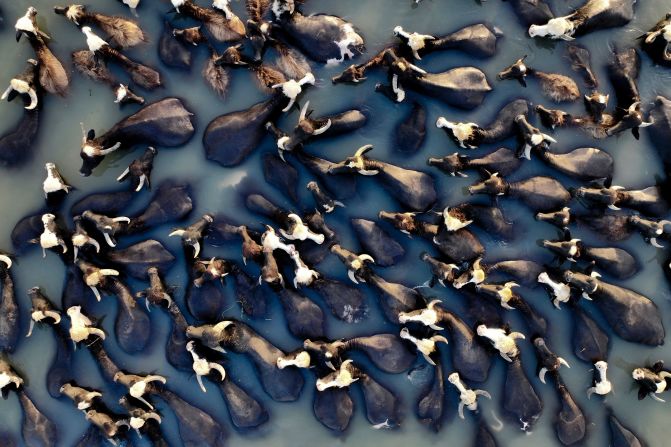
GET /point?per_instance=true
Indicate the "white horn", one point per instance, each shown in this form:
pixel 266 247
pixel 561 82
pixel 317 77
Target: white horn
pixel 109 240
pixel 304 111
pixel 7 92
pixel 143 178
pixel 30 328
pixel 362 150
pixel 6 260
pixel 366 257
pixel 111 149
pixel 95 292
pixel 417 69
pixel 98 332
pixel 652 36
pixel 123 175
pixel 291 103
pixel 323 129
pixel 154 416
pixel 33 99
pixel 200 383
pixel 220 369
pixel 54 315
pixel 83 132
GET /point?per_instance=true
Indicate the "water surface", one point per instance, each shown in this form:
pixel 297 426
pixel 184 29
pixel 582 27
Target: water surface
pixel 218 190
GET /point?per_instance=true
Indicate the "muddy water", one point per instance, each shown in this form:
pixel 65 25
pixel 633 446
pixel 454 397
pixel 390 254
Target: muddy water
pixel 219 190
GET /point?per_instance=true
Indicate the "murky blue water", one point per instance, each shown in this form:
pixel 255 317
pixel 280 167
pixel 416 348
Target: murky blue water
pixel 216 191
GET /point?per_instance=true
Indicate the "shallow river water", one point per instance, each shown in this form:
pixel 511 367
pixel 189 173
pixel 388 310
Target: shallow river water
pixel 218 189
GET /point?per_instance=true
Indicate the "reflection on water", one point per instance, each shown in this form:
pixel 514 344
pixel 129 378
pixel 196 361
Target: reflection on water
pixel 217 190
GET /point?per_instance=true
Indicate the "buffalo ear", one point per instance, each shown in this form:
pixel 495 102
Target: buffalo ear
pixel 604 182
pixel 642 393
pixel 608 182
pixel 13 94
pixel 523 82
pixel 91 134
pixel 657 367
pixel 634 131
pixel 566 234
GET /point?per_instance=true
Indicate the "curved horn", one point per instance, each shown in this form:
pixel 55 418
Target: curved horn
pixel 667 53
pixel 199 378
pixel 652 36
pixel 96 292
pixel 7 92
pixel 304 111
pixel 432 304
pixel 167 298
pixel 322 129
pixel 363 149
pixel 143 179
pixel 56 316
pixel 222 325
pixel 98 332
pixel 30 328
pixel 292 100
pixel 110 149
pixel 366 257
pixel 309 78
pixel 154 416
pixel 123 175
pixel 33 99
pixel 549 138
pixel 6 260
pixel 155 378
pixel 219 368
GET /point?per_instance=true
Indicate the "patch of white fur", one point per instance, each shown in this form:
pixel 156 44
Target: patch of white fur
pixel 416 41
pixel 461 131
pixel 351 37
pixel 80 325
pixel 25 23
pixel 93 41
pixel 560 291
pixel 121 93
pixel 223 5
pixel 20 86
pixel 557 28
pixel 53 181
pixel 72 13
pixel 279 7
